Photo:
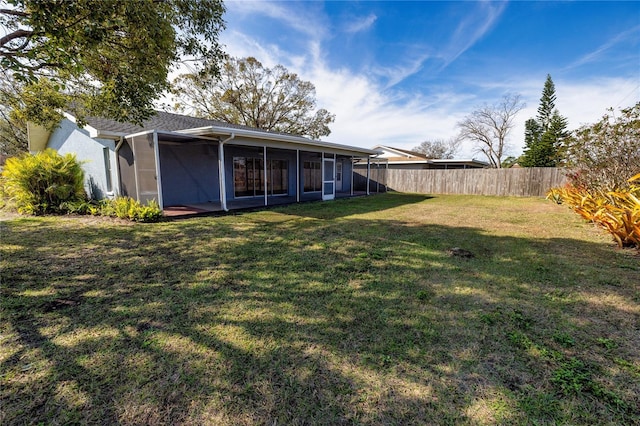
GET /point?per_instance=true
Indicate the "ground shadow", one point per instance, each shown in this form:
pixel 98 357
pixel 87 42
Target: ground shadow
pixel 207 321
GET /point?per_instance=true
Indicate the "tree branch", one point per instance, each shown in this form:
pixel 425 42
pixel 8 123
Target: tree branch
pixel 14 35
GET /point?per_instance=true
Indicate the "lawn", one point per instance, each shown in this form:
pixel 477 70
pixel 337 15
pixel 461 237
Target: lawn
pixel 344 312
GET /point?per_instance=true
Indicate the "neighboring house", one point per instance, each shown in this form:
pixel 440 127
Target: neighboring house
pixel 205 165
pixel 397 158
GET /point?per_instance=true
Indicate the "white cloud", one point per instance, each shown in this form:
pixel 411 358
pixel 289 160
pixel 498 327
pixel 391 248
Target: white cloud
pixel 361 24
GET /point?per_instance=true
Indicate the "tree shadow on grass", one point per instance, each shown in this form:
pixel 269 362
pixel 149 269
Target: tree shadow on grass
pixel 299 322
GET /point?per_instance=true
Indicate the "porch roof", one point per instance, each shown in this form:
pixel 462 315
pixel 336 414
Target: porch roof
pixel 171 126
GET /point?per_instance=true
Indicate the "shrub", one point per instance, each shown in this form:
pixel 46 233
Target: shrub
pixel 616 211
pixel 44 182
pixel 128 208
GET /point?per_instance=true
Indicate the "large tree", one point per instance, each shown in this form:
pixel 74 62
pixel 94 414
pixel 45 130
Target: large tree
pixel 544 134
pixel 250 94
pixel 108 57
pixel 13 129
pixel 488 127
pixel 439 148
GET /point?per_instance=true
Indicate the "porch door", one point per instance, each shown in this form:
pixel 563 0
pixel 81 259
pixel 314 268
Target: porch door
pixel 328 179
pixel 339 176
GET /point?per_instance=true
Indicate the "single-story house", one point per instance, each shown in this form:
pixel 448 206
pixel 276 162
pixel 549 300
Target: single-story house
pixel 193 163
pixel 397 158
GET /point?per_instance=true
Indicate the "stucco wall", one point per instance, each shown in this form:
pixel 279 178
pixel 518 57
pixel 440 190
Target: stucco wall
pixel 69 138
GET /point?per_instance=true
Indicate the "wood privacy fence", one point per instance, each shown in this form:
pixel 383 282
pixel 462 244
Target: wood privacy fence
pixel 519 182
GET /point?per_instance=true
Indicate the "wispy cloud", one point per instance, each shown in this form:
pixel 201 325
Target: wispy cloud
pixel 300 19
pixel 472 28
pixel 398 72
pixel 600 51
pixel 361 24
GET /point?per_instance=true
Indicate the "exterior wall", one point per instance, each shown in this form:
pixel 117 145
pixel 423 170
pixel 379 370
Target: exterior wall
pixel 69 138
pixel 189 173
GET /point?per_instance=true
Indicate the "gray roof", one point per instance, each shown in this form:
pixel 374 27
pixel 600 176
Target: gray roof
pixel 163 121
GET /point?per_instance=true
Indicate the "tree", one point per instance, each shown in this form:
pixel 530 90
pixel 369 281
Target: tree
pixel 13 129
pixel 489 126
pixel 544 135
pixel 606 154
pixel 250 94
pixel 439 148
pixel 107 57
pixel 547 103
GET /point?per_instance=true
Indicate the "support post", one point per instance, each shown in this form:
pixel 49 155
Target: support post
pixel 297 175
pixel 158 173
pixel 368 173
pixel 222 174
pixel 352 166
pixel 264 166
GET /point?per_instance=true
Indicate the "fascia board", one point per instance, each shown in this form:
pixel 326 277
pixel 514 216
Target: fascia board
pixel 277 137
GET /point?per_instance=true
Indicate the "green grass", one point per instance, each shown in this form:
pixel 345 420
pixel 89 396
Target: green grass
pixel 346 312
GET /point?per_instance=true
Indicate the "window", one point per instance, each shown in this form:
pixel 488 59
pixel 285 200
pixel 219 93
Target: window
pixel 312 176
pixel 107 168
pixel 278 177
pixel 248 177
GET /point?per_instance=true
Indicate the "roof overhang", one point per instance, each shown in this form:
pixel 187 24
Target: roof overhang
pixel 290 140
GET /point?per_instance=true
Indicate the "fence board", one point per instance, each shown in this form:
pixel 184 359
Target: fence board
pixel 519 182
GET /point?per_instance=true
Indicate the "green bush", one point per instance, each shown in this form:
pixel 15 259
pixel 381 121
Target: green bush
pixel 128 208
pixel 44 182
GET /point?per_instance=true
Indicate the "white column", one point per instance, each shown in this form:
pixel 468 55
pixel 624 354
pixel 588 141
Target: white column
pixel 368 173
pixel 264 164
pixel 352 166
pixel 297 175
pixel 158 174
pixel 221 179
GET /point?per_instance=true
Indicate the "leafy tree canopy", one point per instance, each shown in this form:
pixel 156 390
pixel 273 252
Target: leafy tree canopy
pixel 250 94
pixel 13 129
pixel 606 154
pixel 107 57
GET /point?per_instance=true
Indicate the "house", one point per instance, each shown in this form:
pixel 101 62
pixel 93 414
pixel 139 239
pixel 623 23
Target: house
pixel 193 164
pixel 397 158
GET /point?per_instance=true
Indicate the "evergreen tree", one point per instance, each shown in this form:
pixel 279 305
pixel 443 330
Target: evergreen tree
pixel 544 135
pixel 547 104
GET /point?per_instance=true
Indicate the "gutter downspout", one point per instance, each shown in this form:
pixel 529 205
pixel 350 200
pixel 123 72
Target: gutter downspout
pixel 221 172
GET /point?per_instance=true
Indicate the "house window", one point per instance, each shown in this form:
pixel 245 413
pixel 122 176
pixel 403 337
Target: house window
pixel 248 177
pixel 312 176
pixel 107 168
pixel 278 177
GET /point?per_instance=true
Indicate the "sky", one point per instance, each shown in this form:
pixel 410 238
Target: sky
pixel 398 73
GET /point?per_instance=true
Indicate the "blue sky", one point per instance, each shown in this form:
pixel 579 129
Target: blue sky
pixel 398 73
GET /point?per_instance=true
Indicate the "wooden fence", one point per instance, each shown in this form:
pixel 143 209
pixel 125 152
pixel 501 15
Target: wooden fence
pixel 519 182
